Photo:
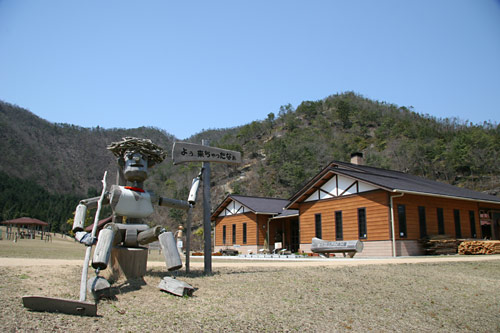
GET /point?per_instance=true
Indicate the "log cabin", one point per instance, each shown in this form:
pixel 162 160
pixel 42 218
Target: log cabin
pixel 249 224
pixel 389 211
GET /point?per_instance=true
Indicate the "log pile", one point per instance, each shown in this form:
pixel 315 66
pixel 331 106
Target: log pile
pixel 439 245
pixel 479 247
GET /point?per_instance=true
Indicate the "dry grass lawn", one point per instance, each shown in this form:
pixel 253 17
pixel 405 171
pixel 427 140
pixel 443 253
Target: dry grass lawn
pixel 446 297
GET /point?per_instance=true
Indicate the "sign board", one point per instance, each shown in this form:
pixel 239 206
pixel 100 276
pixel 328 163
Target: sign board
pixel 319 245
pixel 189 152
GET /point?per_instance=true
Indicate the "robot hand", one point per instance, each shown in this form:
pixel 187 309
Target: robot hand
pixel 85 238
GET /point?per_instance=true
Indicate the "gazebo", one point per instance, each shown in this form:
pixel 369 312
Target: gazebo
pixel 30 224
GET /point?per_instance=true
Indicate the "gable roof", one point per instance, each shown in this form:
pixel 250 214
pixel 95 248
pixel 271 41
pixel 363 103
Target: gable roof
pixel 389 180
pixel 257 205
pixel 25 221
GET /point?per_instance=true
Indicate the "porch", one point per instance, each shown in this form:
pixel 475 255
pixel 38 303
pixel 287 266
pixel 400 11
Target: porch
pixel 282 234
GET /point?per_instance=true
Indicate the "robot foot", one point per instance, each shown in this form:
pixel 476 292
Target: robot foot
pixel 176 287
pixel 100 288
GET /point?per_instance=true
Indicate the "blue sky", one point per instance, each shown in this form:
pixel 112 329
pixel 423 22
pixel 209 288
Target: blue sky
pixel 185 66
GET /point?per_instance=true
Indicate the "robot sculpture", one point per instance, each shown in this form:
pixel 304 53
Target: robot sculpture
pixel 130 203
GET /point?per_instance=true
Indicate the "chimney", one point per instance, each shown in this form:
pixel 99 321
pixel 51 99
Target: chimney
pixel 357 158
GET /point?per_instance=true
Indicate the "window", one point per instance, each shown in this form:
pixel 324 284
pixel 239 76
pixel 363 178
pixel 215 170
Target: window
pixel 402 220
pixel 223 234
pixel 362 222
pixel 472 219
pixel 317 220
pixel 244 233
pixel 440 218
pixel 458 231
pixel 422 221
pixel 338 226
pixel 234 233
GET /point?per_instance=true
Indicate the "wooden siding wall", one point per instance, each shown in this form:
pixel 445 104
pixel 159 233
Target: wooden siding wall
pixel 238 220
pixel 431 205
pixel 262 228
pixel 377 216
pixel 256 229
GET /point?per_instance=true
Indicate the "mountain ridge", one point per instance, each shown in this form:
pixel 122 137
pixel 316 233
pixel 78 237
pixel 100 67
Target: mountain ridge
pixel 280 153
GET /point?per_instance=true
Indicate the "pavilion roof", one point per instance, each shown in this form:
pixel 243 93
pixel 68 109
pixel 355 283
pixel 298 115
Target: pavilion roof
pixel 24 221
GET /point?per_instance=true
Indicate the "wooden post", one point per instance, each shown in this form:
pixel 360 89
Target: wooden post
pixel 188 237
pixel 128 261
pixel 207 230
pixel 183 152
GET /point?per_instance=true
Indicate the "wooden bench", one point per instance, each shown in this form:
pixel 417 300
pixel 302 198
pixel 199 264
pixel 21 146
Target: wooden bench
pixel 229 252
pixel 349 248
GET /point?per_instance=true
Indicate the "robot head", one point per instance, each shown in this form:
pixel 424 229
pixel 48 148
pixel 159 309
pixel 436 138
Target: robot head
pixel 135 155
pixel 135 168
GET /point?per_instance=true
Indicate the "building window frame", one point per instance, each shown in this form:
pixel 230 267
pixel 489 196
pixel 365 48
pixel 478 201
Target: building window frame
pixel 234 234
pixel 317 225
pixel 440 220
pixel 339 232
pixel 422 220
pixel 244 233
pixel 224 234
pixel 362 229
pixel 458 228
pixel 472 221
pixel 402 221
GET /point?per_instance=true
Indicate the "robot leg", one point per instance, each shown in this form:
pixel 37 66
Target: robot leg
pixel 172 257
pixel 102 251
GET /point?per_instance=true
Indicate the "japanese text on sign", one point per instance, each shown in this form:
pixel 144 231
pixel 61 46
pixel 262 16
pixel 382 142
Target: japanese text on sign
pixel 189 152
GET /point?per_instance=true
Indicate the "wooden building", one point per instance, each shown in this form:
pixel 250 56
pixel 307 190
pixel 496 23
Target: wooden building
pixel 389 211
pixel 249 224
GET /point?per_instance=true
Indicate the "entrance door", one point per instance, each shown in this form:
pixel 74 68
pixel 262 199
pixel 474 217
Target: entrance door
pixel 490 224
pixel 496 225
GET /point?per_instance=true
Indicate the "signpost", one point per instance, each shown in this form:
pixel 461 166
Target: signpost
pixel 184 152
pixel 191 152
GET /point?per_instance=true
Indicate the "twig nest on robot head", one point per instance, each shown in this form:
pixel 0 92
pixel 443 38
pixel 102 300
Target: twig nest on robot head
pixel 146 147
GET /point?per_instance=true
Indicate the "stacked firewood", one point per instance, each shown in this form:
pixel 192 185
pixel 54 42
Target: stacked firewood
pixel 439 244
pixel 479 247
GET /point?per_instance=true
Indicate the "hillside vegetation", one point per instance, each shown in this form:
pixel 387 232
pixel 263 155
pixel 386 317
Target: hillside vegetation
pixel 288 149
pixel 280 153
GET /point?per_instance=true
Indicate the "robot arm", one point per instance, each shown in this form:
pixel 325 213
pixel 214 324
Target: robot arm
pixel 173 203
pixel 79 220
pixel 194 190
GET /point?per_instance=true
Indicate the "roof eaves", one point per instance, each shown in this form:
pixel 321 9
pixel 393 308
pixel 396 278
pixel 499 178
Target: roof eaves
pixel 285 216
pixel 446 196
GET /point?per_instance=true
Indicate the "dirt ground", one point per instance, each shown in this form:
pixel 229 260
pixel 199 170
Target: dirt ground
pixel 245 263
pixel 442 294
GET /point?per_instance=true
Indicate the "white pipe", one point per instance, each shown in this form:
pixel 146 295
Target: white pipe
pixel 267 234
pixel 83 281
pixel 392 223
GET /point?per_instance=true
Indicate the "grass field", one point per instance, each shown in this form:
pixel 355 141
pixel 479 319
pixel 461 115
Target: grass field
pixel 444 297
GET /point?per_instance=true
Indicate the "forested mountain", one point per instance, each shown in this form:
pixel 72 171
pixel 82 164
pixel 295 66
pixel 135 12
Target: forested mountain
pixel 46 168
pixel 280 153
pixel 289 148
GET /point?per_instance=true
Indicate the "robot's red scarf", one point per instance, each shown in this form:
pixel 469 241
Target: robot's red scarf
pixel 137 189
